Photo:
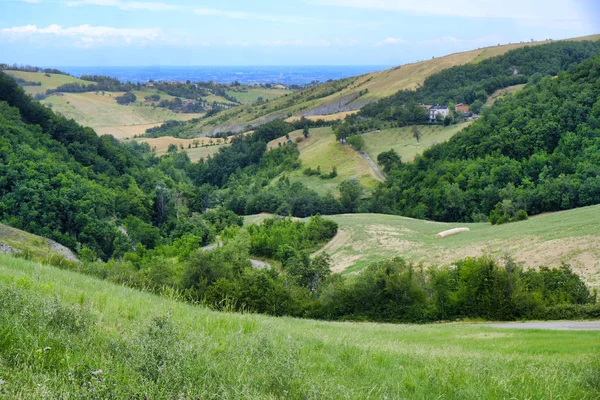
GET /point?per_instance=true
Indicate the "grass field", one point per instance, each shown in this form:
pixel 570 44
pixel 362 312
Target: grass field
pixel 251 95
pixel 207 146
pixel 30 246
pixel 107 117
pixel 72 336
pixel 322 150
pixel 498 94
pixel 403 141
pixel 52 82
pixel 571 236
pixel 327 117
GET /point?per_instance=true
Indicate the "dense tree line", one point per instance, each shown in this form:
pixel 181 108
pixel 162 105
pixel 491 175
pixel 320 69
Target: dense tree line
pixel 536 151
pixel 387 291
pixel 470 84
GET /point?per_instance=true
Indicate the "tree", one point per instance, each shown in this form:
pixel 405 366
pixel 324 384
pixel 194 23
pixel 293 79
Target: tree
pixel 350 192
pixel 416 133
pixel 172 148
pixel 306 132
pixel 390 160
pixel 127 98
pixel 357 142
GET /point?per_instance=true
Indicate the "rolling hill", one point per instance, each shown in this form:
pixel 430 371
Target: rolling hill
pixel 71 335
pixel 548 239
pixel 17 242
pixel 48 81
pixel 347 94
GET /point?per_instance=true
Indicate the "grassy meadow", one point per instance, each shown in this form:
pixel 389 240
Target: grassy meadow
pixel 498 94
pixel 102 113
pixel 206 147
pixel 72 336
pixel 48 82
pixel 322 150
pixel 251 95
pixel 549 239
pixel 403 141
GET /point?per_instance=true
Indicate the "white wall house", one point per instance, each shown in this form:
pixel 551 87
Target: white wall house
pixel 435 110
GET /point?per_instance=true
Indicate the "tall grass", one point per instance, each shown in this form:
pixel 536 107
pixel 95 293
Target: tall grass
pixel 68 335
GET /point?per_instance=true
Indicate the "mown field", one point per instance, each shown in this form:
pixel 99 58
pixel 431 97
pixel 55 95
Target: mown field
pixel 51 82
pixel 322 150
pixel 570 236
pixel 403 141
pixel 72 336
pixel 102 113
pixel 250 96
pixel 206 146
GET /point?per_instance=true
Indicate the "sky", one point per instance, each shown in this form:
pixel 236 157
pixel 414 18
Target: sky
pixel 275 32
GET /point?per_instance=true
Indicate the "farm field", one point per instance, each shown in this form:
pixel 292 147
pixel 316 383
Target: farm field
pixel 250 96
pixel 91 338
pixel 104 114
pixel 403 141
pixel 548 239
pixel 322 150
pixel 206 146
pixel 51 82
pixel 327 117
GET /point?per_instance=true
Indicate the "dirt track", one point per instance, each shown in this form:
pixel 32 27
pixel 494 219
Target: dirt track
pixel 553 326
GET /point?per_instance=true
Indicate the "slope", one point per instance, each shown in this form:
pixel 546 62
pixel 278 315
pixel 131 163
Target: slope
pixel 17 242
pixel 569 236
pixel 48 81
pixel 347 94
pixel 71 335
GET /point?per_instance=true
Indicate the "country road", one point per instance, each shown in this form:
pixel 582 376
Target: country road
pixel 375 167
pixel 553 326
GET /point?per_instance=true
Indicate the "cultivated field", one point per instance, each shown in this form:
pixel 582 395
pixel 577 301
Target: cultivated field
pixel 322 150
pixel 72 335
pixel 250 96
pixel 51 82
pixel 570 236
pixel 206 146
pixel 327 117
pixel 102 113
pixel 403 141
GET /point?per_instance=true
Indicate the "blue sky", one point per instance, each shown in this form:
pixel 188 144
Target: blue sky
pixel 269 32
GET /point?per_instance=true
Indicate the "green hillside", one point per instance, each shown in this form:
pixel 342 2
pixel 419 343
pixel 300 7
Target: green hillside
pixel 348 94
pixel 402 140
pixel 26 245
pixel 569 236
pixel 321 150
pixel 69 335
pixel 48 82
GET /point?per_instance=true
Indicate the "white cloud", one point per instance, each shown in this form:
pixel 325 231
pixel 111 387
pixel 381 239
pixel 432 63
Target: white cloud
pixel 511 9
pixel 287 19
pixel 85 35
pixel 128 5
pixel 388 41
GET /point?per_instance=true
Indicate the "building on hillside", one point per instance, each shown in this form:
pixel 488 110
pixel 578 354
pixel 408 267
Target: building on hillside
pixel 438 110
pixel 425 106
pixel 460 107
pixel 150 84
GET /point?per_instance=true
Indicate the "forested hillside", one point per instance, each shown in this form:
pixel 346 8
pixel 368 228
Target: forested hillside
pixel 470 84
pixel 536 151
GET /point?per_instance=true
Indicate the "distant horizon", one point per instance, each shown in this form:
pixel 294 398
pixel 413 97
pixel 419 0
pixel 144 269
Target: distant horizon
pixel 137 33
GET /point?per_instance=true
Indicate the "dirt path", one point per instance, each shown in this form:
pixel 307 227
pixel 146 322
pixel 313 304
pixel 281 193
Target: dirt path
pixel 553 326
pixel 379 173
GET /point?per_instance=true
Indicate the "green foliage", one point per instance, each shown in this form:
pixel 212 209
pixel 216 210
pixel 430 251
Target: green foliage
pixel 350 194
pixel 357 142
pixel 390 160
pixel 536 150
pixel 126 98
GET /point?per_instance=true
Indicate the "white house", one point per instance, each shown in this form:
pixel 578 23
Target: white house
pixel 435 110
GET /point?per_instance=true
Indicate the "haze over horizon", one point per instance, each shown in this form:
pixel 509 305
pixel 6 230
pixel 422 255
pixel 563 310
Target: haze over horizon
pixel 267 33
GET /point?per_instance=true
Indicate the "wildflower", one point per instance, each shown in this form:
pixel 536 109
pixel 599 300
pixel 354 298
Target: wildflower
pixel 99 372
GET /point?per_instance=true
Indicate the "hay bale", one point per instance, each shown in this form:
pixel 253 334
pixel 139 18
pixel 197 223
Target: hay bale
pixel 451 232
